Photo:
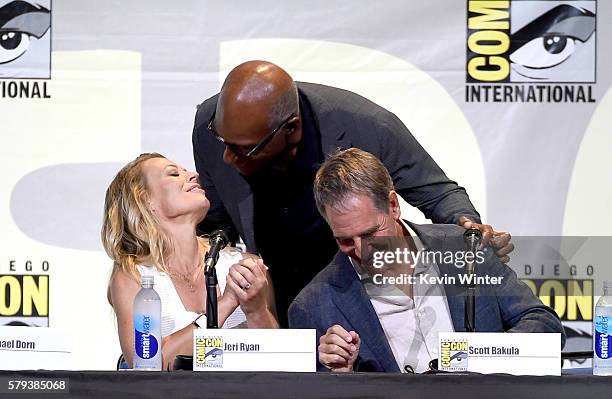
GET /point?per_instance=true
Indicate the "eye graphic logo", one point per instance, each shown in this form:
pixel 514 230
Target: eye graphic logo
pixel 554 46
pixel 214 356
pixel 531 41
pixel 25 39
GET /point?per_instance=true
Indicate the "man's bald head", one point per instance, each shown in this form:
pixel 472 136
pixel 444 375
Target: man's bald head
pixel 258 90
pixel 258 99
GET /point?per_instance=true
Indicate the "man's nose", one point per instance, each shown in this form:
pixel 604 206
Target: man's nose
pixel 229 157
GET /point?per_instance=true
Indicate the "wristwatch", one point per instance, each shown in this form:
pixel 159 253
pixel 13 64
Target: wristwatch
pixel 200 321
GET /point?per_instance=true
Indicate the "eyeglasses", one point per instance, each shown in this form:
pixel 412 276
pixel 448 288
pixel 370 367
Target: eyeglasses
pixel 247 151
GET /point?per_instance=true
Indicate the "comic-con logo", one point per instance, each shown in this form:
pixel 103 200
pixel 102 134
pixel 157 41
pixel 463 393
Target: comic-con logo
pixel 571 299
pixel 24 300
pixel 25 39
pixel 454 355
pixel 209 352
pixel 531 41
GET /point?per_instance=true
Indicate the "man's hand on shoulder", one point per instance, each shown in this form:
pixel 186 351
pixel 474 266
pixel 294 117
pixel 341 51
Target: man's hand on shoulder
pixel 499 240
pixel 338 349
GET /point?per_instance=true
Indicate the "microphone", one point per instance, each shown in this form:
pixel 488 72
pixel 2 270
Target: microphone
pixel 218 240
pixel 472 238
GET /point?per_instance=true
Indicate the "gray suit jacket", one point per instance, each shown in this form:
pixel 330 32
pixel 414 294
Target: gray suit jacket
pixel 336 296
pixel 344 120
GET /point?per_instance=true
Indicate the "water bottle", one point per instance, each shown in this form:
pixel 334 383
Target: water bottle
pixel 602 334
pixel 147 327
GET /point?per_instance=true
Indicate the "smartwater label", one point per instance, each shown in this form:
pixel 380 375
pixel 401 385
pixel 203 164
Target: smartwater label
pixel 146 344
pixel 603 329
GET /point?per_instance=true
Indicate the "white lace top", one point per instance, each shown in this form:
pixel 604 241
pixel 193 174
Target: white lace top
pixel 174 315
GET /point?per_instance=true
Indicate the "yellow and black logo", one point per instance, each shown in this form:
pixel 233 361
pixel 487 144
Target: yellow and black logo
pixel 24 300
pixel 454 355
pixel 209 352
pixel 571 299
pixel 488 41
pixel 551 43
pixel 531 41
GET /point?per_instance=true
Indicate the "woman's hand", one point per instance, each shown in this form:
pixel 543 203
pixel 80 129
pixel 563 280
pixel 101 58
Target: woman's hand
pixel 248 280
pixel 229 299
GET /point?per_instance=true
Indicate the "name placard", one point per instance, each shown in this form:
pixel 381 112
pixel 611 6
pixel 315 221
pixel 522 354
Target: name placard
pixel 511 353
pixel 254 350
pixel 34 348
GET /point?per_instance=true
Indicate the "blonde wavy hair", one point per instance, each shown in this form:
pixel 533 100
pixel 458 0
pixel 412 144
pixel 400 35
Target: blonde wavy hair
pixel 131 234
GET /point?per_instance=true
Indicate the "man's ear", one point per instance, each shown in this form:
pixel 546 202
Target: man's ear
pixel 394 207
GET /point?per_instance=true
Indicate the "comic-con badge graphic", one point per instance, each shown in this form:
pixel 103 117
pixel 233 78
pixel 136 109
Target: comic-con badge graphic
pixel 551 44
pixel 209 352
pixel 454 355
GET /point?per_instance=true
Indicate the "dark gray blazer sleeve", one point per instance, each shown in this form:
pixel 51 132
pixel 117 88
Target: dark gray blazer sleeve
pixel 418 178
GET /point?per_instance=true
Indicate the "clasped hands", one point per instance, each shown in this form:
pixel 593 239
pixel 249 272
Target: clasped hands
pixel 248 286
pixel 338 349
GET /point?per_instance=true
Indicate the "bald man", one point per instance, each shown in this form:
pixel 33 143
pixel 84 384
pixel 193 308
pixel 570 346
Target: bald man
pixel 257 147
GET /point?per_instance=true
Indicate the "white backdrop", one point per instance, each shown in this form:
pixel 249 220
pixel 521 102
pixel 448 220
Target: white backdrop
pixel 126 78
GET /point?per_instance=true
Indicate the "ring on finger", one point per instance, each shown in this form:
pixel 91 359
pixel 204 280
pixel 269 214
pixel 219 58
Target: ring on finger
pixel 246 286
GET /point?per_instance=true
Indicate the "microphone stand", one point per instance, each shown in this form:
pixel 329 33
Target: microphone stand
pixel 470 310
pixel 218 240
pixel 184 362
pixel 212 312
pixel 472 238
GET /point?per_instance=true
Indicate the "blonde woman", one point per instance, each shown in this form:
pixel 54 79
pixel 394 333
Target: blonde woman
pixel 151 211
